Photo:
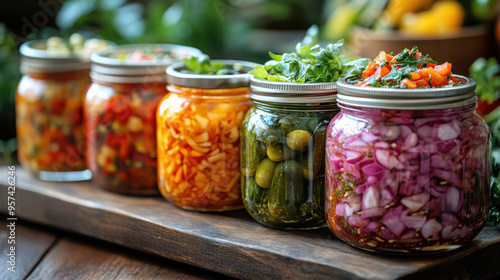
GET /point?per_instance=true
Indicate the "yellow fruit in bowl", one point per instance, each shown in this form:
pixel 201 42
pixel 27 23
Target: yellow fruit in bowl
pixel 450 14
pixel 444 17
pixel 396 9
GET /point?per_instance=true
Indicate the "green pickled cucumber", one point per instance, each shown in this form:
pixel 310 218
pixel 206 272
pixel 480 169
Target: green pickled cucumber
pixel 318 196
pixel 287 191
pixel 298 140
pixel 264 174
pixel 288 123
pixel 306 211
pixel 271 136
pixel 252 153
pixel 279 152
pixel 255 197
pixel 312 123
pixel 315 160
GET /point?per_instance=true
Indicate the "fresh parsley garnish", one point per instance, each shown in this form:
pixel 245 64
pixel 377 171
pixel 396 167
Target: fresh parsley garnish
pixel 409 58
pixel 202 65
pixel 310 63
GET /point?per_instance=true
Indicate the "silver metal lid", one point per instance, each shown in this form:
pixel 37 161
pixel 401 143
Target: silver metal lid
pixel 408 99
pixel 176 76
pixel 34 57
pixel 107 67
pixel 281 92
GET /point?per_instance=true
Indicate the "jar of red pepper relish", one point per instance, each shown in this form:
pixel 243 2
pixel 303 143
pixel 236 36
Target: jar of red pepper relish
pixel 120 115
pixel 49 110
pixel 199 137
pixel 407 170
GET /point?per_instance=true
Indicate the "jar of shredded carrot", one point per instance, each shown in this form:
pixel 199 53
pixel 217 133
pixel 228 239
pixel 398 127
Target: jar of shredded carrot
pixel 198 132
pixel 120 115
pixel 49 107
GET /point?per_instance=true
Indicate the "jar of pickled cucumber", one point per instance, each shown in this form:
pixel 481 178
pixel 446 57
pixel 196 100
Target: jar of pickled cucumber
pixel 407 170
pixel 120 115
pixel 49 106
pixel 199 137
pixel 283 153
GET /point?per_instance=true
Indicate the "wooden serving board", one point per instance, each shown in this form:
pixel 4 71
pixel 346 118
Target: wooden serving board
pixel 232 243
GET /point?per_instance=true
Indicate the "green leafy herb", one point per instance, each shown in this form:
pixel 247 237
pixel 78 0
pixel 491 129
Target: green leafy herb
pixel 494 215
pixel 485 73
pixel 408 58
pixel 203 66
pixel 310 63
pixel 355 67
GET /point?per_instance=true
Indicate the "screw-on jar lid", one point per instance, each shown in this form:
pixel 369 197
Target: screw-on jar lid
pixel 282 92
pixel 35 57
pixel 178 75
pixel 407 99
pixel 108 67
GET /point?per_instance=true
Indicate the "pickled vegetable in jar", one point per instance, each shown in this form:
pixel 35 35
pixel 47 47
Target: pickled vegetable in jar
pixel 120 115
pixel 199 135
pixel 407 170
pixel 49 108
pixel 283 153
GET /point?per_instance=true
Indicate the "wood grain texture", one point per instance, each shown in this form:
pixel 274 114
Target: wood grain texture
pixel 232 243
pixel 31 244
pixel 76 257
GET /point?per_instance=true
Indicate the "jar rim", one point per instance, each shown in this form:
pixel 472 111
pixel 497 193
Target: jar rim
pixel 34 57
pixel 287 92
pixel 408 99
pixel 176 77
pixel 110 69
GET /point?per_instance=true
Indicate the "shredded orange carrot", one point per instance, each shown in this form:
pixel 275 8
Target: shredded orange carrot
pixel 199 147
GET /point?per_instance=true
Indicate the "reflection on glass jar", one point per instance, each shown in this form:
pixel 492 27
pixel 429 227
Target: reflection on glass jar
pixel 407 180
pixel 283 153
pixel 199 138
pixel 120 116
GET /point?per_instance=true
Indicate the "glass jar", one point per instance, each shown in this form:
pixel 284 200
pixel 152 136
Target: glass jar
pixel 120 116
pixel 49 113
pixel 199 138
pixel 407 171
pixel 283 153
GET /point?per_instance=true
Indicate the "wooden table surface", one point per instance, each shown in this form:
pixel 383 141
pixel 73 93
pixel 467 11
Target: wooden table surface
pixel 48 253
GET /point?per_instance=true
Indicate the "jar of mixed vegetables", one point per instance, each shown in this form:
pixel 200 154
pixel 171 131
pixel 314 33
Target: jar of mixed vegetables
pixel 408 159
pixel 199 134
pixel 49 106
pixel 120 115
pixel 283 153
